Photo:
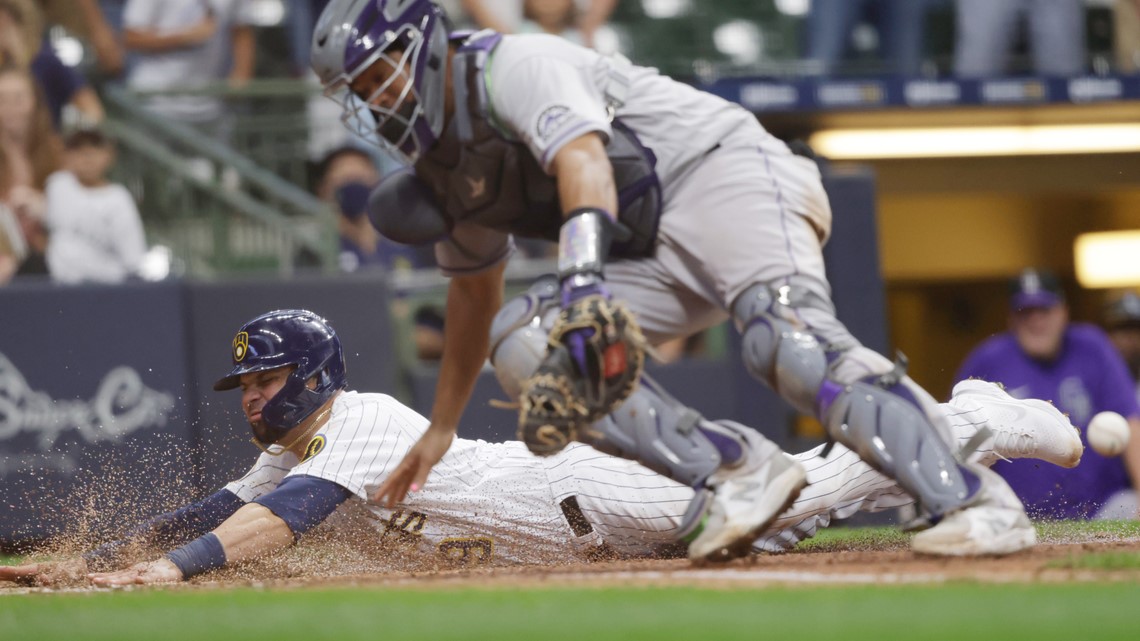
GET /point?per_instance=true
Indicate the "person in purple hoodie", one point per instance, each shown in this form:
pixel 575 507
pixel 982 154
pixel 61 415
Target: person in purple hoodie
pixel 1075 366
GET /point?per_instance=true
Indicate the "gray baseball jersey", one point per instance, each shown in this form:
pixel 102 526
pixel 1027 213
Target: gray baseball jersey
pixel 738 208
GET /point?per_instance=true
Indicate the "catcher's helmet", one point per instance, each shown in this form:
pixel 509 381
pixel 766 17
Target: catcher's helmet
pixel 289 337
pixel 408 35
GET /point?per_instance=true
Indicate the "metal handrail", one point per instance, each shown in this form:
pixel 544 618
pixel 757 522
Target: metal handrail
pixel 289 194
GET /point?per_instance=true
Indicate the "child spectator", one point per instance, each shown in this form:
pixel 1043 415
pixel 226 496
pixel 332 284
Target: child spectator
pixel 96 232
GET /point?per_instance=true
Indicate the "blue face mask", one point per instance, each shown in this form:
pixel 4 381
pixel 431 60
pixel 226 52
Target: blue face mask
pixel 352 199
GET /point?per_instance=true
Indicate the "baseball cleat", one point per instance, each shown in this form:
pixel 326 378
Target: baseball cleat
pixel 994 524
pixel 747 498
pixel 1028 428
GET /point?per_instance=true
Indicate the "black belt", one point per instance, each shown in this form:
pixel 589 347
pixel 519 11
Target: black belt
pixel 577 521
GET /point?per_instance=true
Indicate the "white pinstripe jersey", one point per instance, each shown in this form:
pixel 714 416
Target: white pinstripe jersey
pixel 482 500
pixel 487 501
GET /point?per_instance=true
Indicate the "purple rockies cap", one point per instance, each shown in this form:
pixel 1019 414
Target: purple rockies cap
pixel 1035 289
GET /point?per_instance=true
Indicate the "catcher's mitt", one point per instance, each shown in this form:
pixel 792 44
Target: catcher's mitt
pixel 595 358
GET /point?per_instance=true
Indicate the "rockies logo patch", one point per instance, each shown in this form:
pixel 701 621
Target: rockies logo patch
pixel 551 120
pixel 314 447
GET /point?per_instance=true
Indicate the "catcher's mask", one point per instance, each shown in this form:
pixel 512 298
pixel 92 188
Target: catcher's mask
pixel 410 38
pixel 289 337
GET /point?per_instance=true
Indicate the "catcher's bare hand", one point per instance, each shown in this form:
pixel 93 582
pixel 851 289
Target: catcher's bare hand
pixel 47 574
pixel 412 472
pixel 145 573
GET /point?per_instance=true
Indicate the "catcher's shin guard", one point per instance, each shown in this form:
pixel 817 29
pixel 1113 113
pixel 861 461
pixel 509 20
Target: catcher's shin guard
pixel 792 341
pixel 650 427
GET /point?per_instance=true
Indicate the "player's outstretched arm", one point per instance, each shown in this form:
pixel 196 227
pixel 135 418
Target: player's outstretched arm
pixel 48 574
pixel 472 302
pixel 267 525
pixel 252 532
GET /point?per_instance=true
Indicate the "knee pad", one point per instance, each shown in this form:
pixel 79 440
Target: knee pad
pixel 519 333
pixel 779 347
pixel 863 400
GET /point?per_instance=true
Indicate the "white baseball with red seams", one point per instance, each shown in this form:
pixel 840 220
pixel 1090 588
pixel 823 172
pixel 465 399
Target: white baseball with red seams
pixel 1108 433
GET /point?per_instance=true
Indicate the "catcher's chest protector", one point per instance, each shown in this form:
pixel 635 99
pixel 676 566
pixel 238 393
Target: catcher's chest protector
pixel 479 176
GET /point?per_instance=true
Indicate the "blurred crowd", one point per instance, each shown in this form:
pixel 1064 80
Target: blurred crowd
pixel 56 55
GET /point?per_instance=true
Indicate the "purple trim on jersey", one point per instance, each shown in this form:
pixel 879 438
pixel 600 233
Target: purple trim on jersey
pixel 303 501
pixel 783 209
pixel 582 128
pixel 1087 377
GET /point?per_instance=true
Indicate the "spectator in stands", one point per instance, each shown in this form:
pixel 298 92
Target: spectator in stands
pixel 96 232
pixel 29 152
pixel 1126 35
pixel 556 17
pixel 987 32
pixel 86 20
pixel 189 44
pixel 900 25
pixel 346 178
pixel 506 16
pixel 22 44
pixel 1122 322
pixel 1074 365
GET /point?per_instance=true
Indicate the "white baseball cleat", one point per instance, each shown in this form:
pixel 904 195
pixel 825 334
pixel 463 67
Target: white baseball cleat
pixel 747 498
pixel 1028 428
pixel 994 524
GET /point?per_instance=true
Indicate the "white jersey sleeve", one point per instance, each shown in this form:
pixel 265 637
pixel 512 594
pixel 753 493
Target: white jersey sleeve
pixel 366 436
pixel 542 91
pixel 266 474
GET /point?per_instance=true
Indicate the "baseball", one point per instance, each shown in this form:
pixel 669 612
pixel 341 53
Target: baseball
pixel 1108 433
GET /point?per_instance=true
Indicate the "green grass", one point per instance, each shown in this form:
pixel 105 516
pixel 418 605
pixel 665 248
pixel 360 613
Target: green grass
pixel 869 538
pixel 958 611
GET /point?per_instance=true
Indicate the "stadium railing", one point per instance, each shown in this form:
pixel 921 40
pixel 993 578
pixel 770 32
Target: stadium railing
pixel 216 208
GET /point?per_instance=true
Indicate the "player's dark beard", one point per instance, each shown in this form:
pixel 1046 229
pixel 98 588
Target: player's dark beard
pixel 394 128
pixel 263 434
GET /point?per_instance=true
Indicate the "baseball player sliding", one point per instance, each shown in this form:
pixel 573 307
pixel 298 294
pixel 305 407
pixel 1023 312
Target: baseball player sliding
pixel 673 211
pixel 326 446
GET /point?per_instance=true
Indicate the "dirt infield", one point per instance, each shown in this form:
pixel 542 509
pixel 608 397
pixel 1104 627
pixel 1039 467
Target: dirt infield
pixel 844 565
pixel 1049 562
pixel 861 560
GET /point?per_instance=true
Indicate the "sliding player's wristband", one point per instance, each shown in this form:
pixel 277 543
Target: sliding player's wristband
pixel 203 554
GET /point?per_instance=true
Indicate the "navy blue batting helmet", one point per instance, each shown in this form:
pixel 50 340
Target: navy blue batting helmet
pixel 289 337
